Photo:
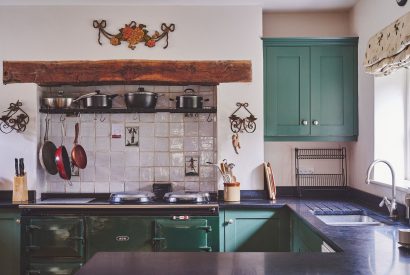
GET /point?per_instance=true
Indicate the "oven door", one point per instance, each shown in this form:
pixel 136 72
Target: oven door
pixel 182 234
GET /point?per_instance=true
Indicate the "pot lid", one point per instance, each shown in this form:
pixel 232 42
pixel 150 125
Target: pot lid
pixel 138 196
pixel 187 196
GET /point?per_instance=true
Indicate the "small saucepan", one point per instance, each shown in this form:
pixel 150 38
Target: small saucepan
pixel 141 99
pixel 97 100
pixel 189 100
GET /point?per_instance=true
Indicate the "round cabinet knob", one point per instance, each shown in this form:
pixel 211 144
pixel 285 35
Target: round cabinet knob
pixel 304 122
pixel 315 122
pixel 18 221
pixel 230 221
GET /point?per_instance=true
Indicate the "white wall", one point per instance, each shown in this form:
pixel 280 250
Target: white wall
pixel 367 18
pixel 281 154
pixel 202 33
pixel 303 24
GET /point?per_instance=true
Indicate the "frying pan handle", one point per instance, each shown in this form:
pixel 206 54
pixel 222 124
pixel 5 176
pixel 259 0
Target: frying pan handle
pixel 46 134
pixel 77 130
pixel 62 133
pixel 84 96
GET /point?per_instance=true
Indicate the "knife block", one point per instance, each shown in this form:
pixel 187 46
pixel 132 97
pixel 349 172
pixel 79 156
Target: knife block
pixel 20 192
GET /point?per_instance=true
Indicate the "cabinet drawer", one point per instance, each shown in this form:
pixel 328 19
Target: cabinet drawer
pixel 54 237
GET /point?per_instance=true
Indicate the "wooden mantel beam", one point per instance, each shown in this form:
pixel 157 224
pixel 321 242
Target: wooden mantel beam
pixel 155 72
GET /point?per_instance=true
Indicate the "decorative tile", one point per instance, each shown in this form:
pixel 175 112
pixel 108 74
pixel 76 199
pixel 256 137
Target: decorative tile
pixel 132 158
pixel 161 117
pixel 161 144
pixel 177 173
pixel 161 129
pixel 146 159
pixel 176 117
pixel 161 159
pixel 191 165
pixel 132 174
pixel 177 159
pixel 146 174
pixel 176 129
pixel 206 143
pixel 176 144
pixel 161 173
pixel 132 136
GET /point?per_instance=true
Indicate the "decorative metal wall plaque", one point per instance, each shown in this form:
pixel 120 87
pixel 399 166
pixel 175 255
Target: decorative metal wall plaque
pixel 240 124
pixel 132 136
pixel 191 166
pixel 133 34
pixel 15 119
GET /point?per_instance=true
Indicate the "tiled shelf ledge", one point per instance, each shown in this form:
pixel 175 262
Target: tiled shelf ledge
pixel 123 110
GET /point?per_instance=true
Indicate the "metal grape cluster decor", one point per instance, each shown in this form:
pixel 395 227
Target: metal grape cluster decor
pixel 134 34
pixel 16 119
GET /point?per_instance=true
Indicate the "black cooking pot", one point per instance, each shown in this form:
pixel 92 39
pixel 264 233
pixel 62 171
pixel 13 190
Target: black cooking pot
pixel 189 100
pixel 98 100
pixel 141 99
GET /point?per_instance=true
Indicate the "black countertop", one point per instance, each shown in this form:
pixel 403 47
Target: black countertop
pixel 365 250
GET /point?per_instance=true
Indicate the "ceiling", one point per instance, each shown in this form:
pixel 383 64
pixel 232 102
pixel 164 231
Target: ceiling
pixel 267 5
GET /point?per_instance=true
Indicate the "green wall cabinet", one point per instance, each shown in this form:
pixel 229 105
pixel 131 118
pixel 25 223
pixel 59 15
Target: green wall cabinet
pixel 10 241
pixel 255 231
pixel 310 89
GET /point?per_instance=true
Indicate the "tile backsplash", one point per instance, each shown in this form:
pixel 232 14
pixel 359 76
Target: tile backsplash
pixel 162 146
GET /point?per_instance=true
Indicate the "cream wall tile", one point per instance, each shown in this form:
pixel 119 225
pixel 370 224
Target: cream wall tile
pixel 192 186
pixel 161 144
pixel 206 156
pixel 177 173
pixel 87 187
pixel 146 186
pixel 147 130
pixel 176 144
pixel 102 174
pixel 161 117
pixel 118 144
pixel 146 174
pixel 102 159
pixel 206 129
pixel 55 187
pixel 132 186
pixel 117 173
pixel 116 187
pixel 207 186
pixel 132 158
pixel 102 187
pixel 146 159
pixel 147 117
pixel 147 144
pixel 161 129
pixel 132 174
pixel 117 159
pixel 102 144
pixel 190 144
pixel 161 159
pixel 176 117
pixel 87 129
pixel 191 129
pixel 102 129
pixel 206 143
pixel 177 159
pixel 74 187
pixel 88 174
pixel 176 129
pixel 161 173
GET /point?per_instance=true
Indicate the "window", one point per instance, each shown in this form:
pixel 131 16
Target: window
pixel 392 126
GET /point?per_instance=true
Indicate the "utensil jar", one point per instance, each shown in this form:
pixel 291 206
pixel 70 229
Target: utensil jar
pixel 232 191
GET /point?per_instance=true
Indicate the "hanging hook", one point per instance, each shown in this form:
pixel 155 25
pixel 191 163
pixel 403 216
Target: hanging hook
pixel 102 118
pixel 209 119
pixel 136 116
pixel 62 118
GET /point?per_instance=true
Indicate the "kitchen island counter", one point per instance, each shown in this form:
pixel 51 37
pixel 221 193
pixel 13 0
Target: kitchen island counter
pixel 361 250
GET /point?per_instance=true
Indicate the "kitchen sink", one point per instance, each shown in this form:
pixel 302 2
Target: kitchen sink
pixel 348 220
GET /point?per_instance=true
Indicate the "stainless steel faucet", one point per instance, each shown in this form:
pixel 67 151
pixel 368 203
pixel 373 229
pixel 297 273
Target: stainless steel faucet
pixel 391 205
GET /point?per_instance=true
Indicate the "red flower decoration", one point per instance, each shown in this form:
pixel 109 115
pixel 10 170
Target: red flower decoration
pixel 150 43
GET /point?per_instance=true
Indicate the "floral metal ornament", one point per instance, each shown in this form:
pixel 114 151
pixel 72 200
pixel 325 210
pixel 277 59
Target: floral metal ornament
pixel 15 119
pixel 133 34
pixel 239 124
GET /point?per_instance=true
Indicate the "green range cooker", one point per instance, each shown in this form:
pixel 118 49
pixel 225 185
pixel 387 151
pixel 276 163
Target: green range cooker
pixel 59 239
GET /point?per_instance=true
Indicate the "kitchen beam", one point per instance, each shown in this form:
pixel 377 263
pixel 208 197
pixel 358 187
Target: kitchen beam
pixel 111 72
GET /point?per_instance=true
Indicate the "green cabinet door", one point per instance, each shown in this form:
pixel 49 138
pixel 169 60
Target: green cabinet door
pixel 287 94
pixel 121 233
pixel 256 231
pixel 332 91
pixel 10 242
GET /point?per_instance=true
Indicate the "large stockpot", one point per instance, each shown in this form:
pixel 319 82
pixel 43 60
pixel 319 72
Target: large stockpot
pixel 97 100
pixel 141 99
pixel 189 100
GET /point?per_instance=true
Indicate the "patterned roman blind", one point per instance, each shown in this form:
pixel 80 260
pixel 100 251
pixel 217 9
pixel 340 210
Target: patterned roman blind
pixel 389 49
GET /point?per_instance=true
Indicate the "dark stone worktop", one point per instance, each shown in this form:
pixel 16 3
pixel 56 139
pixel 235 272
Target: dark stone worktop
pixel 364 250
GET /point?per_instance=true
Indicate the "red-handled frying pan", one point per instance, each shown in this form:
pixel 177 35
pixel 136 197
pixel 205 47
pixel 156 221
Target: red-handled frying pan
pixel 62 159
pixel 78 155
